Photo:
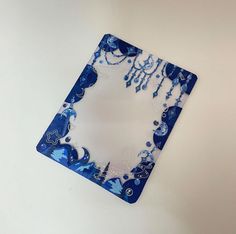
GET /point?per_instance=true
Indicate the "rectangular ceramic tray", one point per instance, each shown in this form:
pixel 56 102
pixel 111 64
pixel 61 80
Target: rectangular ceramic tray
pixel 116 119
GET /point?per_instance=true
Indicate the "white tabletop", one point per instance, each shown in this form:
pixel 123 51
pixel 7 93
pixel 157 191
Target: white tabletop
pixel 44 46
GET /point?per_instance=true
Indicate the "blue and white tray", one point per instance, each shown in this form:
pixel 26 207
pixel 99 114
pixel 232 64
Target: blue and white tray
pixel 115 121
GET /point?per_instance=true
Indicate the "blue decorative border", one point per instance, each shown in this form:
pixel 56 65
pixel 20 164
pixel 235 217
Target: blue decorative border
pixel 65 154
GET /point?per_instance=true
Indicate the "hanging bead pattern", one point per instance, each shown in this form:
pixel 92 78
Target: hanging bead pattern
pixel 164 76
pixel 139 74
pixel 175 82
pixel 184 88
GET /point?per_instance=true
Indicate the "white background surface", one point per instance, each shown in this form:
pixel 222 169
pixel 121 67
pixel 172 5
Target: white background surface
pixel 43 47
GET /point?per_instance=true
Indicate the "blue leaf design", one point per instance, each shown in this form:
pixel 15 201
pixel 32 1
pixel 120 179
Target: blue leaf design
pixel 116 186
